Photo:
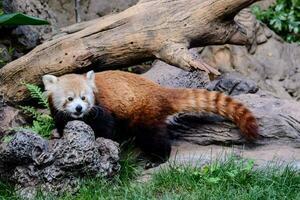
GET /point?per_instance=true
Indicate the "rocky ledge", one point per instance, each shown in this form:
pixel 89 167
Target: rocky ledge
pixel 32 163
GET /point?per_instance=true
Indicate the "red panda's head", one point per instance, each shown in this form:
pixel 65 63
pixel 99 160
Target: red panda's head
pixel 71 93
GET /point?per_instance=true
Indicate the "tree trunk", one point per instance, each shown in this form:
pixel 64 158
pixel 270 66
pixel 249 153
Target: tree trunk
pixel 151 29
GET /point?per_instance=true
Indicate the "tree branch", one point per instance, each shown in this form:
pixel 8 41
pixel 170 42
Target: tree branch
pixel 137 34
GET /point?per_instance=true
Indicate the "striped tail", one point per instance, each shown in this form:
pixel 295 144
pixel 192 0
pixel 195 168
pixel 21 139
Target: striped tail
pixel 201 100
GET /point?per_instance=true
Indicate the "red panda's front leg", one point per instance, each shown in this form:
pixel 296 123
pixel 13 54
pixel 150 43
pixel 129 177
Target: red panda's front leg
pixel 154 141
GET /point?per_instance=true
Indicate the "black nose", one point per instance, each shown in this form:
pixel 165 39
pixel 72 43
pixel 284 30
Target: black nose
pixel 78 108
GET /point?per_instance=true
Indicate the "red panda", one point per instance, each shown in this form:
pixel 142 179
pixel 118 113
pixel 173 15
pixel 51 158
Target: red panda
pixel 104 98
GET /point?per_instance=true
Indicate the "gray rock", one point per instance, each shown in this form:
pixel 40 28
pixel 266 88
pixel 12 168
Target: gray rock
pixel 92 9
pixel 169 76
pixel 233 84
pixel 4 55
pixel 274 66
pixel 31 162
pixel 10 117
pixel 21 147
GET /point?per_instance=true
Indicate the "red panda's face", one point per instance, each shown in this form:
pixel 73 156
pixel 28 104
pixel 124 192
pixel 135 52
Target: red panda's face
pixel 72 93
pixel 76 104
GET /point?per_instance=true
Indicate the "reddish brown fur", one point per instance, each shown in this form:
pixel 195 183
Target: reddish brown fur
pixel 143 102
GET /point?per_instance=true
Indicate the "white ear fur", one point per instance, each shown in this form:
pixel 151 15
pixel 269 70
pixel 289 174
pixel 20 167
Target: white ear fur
pixel 91 79
pixel 90 76
pixel 49 80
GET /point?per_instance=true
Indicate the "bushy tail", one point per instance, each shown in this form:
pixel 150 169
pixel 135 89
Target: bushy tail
pixel 201 100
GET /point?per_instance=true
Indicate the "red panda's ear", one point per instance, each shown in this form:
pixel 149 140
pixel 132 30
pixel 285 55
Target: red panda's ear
pixel 90 76
pixel 49 81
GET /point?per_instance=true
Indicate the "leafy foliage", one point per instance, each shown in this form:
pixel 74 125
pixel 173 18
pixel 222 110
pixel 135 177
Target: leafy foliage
pixel 42 123
pixel 37 93
pixel 283 17
pixel 21 19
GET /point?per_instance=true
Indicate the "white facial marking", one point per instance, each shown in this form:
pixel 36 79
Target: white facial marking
pixel 74 105
pixel 67 93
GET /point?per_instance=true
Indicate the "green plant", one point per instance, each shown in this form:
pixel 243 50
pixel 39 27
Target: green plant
pixel 11 50
pixel 19 18
pixel 283 17
pixel 42 123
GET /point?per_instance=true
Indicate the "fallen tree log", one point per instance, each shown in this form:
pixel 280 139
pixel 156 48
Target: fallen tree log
pixel 151 29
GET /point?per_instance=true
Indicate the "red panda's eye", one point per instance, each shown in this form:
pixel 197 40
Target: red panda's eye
pixel 70 98
pixel 83 98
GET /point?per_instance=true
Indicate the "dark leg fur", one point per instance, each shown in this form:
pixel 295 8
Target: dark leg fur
pixel 61 119
pixel 155 142
pixel 101 122
pixel 98 118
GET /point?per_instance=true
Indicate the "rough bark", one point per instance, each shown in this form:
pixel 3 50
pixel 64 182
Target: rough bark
pixel 162 29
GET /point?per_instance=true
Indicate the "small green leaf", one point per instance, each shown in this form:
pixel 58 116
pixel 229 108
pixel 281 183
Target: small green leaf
pixel 213 180
pixel 232 173
pixel 21 19
pixel 37 93
pixel 205 169
pixel 279 7
pixel 249 165
pixel 196 173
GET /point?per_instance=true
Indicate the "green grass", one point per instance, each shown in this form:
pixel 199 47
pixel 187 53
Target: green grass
pixel 234 179
pixel 6 191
